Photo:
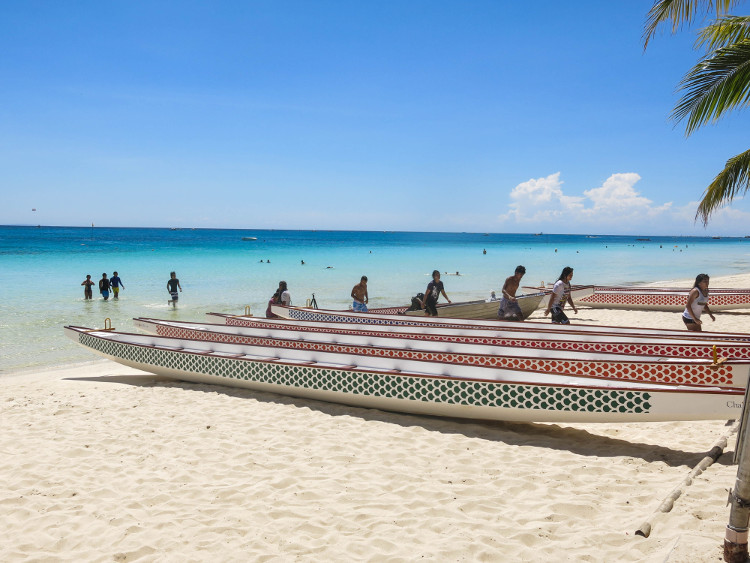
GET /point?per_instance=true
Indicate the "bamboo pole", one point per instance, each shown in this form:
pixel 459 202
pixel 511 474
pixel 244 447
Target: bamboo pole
pixel 668 503
pixel 735 537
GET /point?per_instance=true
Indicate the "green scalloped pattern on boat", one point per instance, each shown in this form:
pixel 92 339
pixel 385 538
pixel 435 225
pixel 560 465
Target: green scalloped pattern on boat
pixel 404 387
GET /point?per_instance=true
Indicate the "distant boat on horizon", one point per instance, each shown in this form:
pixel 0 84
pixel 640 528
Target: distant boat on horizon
pixel 249 238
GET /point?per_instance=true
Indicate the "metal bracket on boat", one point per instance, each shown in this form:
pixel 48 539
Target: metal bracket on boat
pixel 741 502
pixel 107 326
pixel 247 311
pixel 716 360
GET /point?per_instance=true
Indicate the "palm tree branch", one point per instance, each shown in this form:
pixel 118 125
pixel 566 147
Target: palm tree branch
pixel 717 84
pixel 729 183
pixel 724 32
pixel 680 12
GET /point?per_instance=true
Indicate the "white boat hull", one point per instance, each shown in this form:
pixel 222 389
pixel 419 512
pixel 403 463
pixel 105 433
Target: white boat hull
pixel 576 401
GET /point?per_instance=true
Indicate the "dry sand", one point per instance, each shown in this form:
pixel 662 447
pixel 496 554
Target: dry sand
pixel 103 463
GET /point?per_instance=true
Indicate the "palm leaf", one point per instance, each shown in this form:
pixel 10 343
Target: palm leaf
pixel 724 32
pixel 680 12
pixel 717 84
pixel 729 183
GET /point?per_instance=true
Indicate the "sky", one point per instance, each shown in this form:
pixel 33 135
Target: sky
pixel 478 116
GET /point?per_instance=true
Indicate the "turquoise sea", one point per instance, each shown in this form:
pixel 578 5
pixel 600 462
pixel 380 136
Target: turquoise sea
pixel 42 268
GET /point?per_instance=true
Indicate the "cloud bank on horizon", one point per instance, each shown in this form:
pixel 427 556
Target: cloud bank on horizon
pixel 614 207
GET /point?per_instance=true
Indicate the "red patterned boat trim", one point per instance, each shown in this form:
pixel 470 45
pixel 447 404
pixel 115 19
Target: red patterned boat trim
pixel 652 372
pixel 699 350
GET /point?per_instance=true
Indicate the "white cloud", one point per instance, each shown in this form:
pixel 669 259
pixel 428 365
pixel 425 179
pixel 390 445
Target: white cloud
pixel 615 205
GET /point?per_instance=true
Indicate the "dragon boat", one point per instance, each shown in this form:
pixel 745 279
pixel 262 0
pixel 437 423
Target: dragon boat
pixel 305 314
pixel 620 343
pixel 732 373
pixel 468 309
pixel 662 299
pixel 410 386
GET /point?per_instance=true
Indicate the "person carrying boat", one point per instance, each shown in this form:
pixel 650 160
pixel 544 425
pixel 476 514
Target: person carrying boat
pixel 172 284
pixel 116 284
pixel 509 309
pixel 280 297
pixel 432 294
pixel 697 303
pixel 104 287
pixel 561 293
pixel 87 293
pixel 360 297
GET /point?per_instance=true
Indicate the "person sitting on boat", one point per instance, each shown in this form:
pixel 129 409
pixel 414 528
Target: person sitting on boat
pixel 360 297
pixel 561 293
pixel 280 297
pixel 431 296
pixel 509 309
pixel 697 303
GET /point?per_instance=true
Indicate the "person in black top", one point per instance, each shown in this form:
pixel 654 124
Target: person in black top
pixel 104 287
pixel 172 286
pixel 431 295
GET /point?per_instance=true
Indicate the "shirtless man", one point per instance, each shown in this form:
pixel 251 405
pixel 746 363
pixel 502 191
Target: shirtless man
pixel 509 309
pixel 360 297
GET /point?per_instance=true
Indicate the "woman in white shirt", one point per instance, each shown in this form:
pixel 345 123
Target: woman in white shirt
pixel 697 303
pixel 561 291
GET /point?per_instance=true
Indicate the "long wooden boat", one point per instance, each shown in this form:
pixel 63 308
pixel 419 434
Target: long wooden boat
pixel 655 299
pixel 468 309
pixel 469 392
pixel 301 313
pixel 655 369
pixel 560 340
pixel 577 293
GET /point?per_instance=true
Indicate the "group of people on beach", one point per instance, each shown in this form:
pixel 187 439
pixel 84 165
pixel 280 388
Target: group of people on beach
pixel 114 284
pixel 509 309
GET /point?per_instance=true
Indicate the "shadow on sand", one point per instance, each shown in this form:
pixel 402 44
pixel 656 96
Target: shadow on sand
pixel 541 435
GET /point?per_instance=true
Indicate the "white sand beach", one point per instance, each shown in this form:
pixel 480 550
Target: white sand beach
pixel 104 463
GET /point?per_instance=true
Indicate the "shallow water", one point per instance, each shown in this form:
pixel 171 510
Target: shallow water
pixel 42 269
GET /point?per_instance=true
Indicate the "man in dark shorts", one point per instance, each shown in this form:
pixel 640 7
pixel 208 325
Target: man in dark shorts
pixel 431 295
pixel 172 285
pixel 509 309
pixel 104 287
pixel 116 284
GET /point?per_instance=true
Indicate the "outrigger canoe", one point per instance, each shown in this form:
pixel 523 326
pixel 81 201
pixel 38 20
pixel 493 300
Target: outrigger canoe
pixel 619 343
pixel 657 299
pixel 733 373
pixel 469 392
pixel 468 309
pixel 301 313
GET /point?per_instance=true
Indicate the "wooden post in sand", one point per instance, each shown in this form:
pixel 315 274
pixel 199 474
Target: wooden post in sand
pixel 735 538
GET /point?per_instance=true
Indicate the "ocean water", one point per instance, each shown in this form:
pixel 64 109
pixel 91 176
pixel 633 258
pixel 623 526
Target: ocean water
pixel 41 269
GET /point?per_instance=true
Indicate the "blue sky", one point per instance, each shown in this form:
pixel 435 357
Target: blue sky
pixel 452 116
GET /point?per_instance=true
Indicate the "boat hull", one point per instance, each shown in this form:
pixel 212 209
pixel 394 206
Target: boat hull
pixel 427 395
pixel 660 300
pixel 581 364
pixel 468 309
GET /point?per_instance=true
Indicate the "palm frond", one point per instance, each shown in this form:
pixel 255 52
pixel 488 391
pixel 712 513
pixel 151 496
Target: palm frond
pixel 729 183
pixel 717 84
pixel 724 32
pixel 680 12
